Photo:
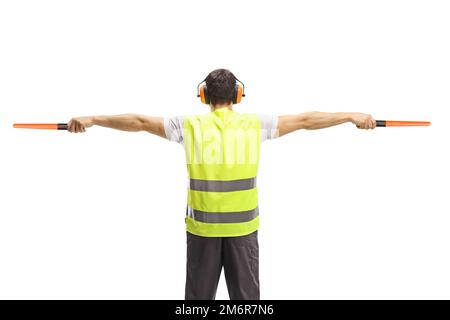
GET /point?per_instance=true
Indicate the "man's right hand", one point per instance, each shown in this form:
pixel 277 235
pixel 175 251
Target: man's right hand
pixel 79 124
pixel 363 121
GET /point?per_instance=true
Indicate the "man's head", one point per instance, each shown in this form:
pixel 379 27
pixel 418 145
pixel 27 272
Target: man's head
pixel 221 85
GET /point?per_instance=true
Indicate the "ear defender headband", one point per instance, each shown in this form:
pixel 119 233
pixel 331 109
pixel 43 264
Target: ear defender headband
pixel 238 93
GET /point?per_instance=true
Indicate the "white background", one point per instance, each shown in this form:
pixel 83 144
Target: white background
pixel 345 213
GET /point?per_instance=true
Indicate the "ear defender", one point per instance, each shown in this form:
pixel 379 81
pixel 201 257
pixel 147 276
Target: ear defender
pixel 238 94
pixel 202 92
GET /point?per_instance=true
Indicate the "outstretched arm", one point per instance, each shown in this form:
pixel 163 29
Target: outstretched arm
pixel 125 122
pixel 319 120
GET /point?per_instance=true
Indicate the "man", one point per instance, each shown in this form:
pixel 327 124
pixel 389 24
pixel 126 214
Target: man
pixel 222 153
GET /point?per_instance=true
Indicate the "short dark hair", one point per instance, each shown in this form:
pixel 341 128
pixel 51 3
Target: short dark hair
pixel 221 84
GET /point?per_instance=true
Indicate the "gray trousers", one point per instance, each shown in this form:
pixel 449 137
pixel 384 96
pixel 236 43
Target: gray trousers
pixel 239 257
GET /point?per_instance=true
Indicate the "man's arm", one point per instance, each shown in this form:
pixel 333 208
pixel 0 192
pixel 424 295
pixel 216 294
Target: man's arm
pixel 319 120
pixel 125 122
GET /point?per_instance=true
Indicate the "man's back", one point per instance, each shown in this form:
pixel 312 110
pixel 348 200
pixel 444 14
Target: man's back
pixel 222 153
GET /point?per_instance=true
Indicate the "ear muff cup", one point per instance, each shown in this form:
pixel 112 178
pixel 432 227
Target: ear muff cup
pixel 237 94
pixel 204 95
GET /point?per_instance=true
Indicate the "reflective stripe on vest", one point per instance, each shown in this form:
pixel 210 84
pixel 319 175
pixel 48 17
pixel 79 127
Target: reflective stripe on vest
pixel 222 217
pixel 222 186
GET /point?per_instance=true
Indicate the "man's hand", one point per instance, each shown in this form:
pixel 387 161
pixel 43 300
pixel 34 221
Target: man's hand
pixel 80 124
pixel 363 121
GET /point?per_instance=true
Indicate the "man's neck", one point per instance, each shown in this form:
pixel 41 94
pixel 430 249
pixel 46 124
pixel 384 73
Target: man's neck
pixel 221 106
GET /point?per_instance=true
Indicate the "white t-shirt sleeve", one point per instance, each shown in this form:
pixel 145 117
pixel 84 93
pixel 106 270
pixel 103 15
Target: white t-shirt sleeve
pixel 269 126
pixel 173 128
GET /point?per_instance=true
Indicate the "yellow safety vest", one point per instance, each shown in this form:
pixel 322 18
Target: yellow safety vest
pixel 222 155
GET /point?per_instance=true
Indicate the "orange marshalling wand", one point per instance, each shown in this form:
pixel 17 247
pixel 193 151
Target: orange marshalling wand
pixel 395 123
pixel 49 126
